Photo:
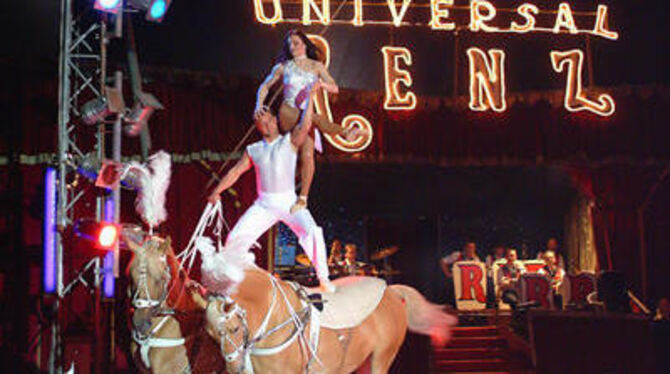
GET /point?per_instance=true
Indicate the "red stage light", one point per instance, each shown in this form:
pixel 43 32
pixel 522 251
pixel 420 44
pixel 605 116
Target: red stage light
pixel 108 235
pixel 97 235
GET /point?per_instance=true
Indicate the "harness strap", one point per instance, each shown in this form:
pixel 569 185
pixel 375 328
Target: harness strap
pixel 149 341
pixel 301 326
pixel 266 320
pixel 314 330
pixel 268 351
pixel 145 303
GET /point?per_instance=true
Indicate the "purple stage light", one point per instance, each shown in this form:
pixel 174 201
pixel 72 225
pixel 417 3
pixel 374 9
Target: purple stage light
pixel 50 230
pixel 108 263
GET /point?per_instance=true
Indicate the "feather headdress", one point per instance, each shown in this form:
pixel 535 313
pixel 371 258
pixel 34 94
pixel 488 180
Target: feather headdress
pixel 152 181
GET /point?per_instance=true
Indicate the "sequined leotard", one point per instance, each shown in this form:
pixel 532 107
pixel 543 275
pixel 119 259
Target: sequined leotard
pixel 296 83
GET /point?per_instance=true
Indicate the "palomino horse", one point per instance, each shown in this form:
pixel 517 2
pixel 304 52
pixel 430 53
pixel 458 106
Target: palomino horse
pixel 163 309
pixel 265 327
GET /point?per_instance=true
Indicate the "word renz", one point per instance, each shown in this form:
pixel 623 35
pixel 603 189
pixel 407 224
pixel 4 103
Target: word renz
pixel 471 288
pixel 487 85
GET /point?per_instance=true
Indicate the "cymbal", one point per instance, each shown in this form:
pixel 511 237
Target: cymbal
pixel 384 252
pixel 388 272
pixel 302 259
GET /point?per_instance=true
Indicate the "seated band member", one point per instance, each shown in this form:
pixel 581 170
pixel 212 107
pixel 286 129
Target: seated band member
pixel 335 258
pixel 552 245
pixel 274 159
pixel 299 67
pixel 498 253
pixel 468 253
pixel 551 269
pixel 351 266
pixel 508 277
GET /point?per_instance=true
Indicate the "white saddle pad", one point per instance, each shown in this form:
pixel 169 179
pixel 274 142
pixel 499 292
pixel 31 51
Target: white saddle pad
pixel 354 300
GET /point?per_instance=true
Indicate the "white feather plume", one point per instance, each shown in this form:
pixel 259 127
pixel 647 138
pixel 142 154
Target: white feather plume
pixel 154 180
pixel 223 271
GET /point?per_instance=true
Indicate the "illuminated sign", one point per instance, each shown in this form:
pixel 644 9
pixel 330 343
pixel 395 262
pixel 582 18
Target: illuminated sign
pixel 575 98
pixel 481 14
pixel 487 85
pixel 487 80
pixel 322 106
pixel 394 75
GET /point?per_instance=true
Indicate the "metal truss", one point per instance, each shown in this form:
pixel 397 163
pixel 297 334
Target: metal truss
pixel 81 77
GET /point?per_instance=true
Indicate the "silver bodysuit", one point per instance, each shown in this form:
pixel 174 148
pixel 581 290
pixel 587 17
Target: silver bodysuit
pixel 296 82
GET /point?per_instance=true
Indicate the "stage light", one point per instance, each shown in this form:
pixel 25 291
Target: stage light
pixel 141 112
pixel 108 262
pixel 50 233
pixel 96 110
pixel 108 235
pixel 109 6
pixel 101 235
pixel 155 9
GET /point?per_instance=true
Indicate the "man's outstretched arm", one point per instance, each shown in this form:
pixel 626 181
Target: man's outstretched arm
pixel 301 131
pixel 242 165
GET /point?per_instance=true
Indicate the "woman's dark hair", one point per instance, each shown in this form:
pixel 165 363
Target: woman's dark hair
pixel 311 50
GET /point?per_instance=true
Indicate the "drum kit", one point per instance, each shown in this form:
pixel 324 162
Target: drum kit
pixel 303 272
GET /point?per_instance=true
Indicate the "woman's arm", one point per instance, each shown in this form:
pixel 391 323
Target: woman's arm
pixel 271 79
pixel 328 82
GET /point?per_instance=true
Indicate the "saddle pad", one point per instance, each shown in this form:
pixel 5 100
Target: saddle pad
pixel 353 301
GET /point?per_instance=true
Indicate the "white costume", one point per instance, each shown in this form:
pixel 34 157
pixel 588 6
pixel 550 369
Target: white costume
pixel 275 165
pixel 297 83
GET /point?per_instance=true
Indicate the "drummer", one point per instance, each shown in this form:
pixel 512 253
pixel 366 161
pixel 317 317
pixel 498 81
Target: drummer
pixel 350 264
pixel 335 258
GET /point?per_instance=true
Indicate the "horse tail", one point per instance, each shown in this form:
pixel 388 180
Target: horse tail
pixel 424 317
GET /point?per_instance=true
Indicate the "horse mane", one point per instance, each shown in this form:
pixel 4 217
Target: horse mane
pixel 178 296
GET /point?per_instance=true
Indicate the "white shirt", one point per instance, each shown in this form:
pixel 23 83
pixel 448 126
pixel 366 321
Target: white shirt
pixel 275 164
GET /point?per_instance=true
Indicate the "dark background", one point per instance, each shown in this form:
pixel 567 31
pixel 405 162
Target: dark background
pixel 223 36
pixel 399 187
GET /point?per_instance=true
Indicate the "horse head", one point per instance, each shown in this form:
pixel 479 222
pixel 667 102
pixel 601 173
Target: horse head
pixel 150 274
pixel 230 330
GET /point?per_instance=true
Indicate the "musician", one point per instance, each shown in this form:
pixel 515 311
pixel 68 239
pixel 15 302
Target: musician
pixel 468 253
pixel 335 258
pixel 351 266
pixel 498 253
pixel 552 245
pixel 552 270
pixel 508 277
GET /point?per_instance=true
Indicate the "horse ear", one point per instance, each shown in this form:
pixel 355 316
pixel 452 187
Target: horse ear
pixel 166 246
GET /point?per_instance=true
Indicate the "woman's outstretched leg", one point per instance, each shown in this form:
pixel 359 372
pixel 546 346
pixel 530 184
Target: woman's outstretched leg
pixel 307 168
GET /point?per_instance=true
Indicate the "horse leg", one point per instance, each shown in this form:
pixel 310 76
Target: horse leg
pixel 391 330
pixel 169 360
pixel 366 368
pixel 380 362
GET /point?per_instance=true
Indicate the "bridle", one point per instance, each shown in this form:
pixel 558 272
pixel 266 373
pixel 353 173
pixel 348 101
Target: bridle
pixel 148 340
pixel 137 300
pixel 244 343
